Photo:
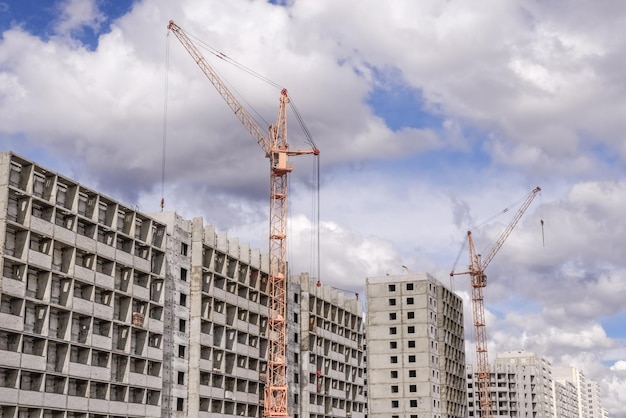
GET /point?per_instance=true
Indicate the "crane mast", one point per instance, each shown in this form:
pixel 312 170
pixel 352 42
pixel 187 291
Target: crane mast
pixel 275 146
pixel 478 279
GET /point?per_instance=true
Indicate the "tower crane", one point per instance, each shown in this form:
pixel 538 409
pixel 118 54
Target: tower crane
pixel 476 270
pixel 275 146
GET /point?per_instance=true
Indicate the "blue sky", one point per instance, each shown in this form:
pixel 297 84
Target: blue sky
pixel 40 17
pixel 430 116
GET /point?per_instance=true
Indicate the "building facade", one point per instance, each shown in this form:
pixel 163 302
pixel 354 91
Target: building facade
pixel 583 394
pixel 451 353
pixel 565 399
pixel 81 299
pixel 596 410
pixel 330 359
pixel 109 312
pixel 415 348
pixel 521 385
pixel 217 318
pixel 573 376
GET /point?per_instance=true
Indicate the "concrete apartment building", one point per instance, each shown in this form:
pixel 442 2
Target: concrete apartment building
pixel 109 312
pixel 330 360
pixel 81 300
pixel 415 348
pixel 583 394
pixel 596 410
pixel 565 399
pixel 217 350
pixel 521 386
pixel 524 384
pixel 573 376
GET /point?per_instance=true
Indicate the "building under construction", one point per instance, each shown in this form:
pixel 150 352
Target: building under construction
pixel 416 355
pixel 109 312
pixel 81 300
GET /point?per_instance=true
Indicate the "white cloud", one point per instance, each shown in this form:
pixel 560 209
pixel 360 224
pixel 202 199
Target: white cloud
pixel 529 94
pixel 76 14
pixel 619 366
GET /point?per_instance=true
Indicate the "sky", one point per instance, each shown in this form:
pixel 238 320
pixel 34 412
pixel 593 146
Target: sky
pixel 431 118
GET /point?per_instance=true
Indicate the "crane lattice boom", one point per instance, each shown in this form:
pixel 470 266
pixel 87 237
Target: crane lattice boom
pixel 275 146
pixel 476 270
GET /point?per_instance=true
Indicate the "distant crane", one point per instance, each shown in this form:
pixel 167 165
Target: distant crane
pixel 276 148
pixel 476 270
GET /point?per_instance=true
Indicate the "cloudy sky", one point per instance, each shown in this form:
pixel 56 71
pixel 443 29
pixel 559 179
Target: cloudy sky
pixel 431 117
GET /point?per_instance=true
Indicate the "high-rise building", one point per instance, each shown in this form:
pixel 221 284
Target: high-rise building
pixel 565 399
pixel 451 353
pixel 81 299
pixel 107 312
pixel 586 392
pixel 216 348
pixel 414 348
pixel 594 396
pixel 595 400
pixel 563 374
pixel 521 385
pixel 328 366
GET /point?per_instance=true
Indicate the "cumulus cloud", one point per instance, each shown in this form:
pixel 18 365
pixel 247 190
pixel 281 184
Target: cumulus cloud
pixel 77 14
pixel 619 366
pixel 526 94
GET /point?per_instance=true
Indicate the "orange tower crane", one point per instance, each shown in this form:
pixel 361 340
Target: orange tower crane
pixel 275 146
pixel 476 270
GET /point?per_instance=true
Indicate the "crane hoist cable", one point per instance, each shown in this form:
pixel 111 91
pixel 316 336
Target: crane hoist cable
pixel 165 116
pixel 478 279
pixel 222 56
pixel 275 146
pixel 315 211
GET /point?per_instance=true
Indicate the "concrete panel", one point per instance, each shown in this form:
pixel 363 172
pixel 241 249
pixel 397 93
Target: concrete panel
pixel 105 250
pixel 65 235
pixel 155 325
pixel 9 358
pixel 78 402
pixel 41 226
pixel 217 392
pixel 82 306
pixel 141 292
pixel 206 365
pixel 154 353
pixel 9 395
pixel 205 391
pixel 85 243
pixel 29 397
pixel 100 373
pixel 98 405
pixel 219 319
pixel 153 411
pixel 118 408
pixel 141 264
pixel 101 342
pixel 29 361
pixel 136 409
pixel 84 274
pixel 104 280
pixel 39 259
pixel 124 257
pixel 154 382
pixel 102 311
pixel 55 400
pixel 136 379
pixel 80 370
pixel 13 287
